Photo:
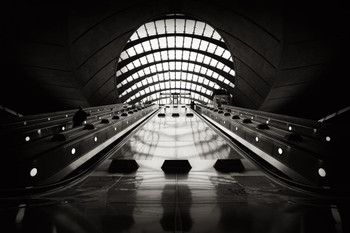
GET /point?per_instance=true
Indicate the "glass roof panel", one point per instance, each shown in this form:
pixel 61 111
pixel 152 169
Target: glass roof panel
pixel 154 64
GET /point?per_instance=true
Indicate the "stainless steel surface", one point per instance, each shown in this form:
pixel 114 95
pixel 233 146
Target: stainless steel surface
pixel 148 200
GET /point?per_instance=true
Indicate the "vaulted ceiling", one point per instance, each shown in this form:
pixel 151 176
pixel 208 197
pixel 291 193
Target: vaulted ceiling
pixel 288 59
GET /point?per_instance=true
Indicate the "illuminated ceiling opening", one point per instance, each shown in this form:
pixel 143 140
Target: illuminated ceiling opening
pixel 174 54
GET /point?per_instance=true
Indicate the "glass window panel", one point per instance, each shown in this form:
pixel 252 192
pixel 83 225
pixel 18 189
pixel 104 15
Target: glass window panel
pixel 171 54
pixel 183 85
pixel 219 51
pixel 178 54
pixel 189 26
pixel 138 48
pixel 171 41
pixel 131 51
pixel 124 55
pixel 134 36
pixel 200 79
pixel 188 85
pixel 226 81
pixel 177 75
pixel 232 85
pixel 180 25
pixel 167 85
pixel 147 71
pixel 160 26
pixel 184 65
pixel 199 28
pixel 172 84
pixel 166 66
pixel 211 48
pixel 216 86
pixel 206 60
pixel 118 73
pixel 220 65
pixel 130 66
pixel 195 43
pixel 213 62
pixel 187 42
pixel 208 83
pixel 129 79
pixel 162 86
pixel 155 78
pixel 170 26
pixel 150 58
pixel 154 44
pixel 164 55
pixel 124 82
pixel 144 82
pixel 198 88
pixel 137 63
pixel 162 42
pixel 178 65
pixel 179 41
pixel 146 46
pixel 186 55
pixel 226 69
pixel 216 36
pixel 156 87
pixel 153 69
pixel 193 56
pixel 150 29
pixel 215 75
pixel 197 69
pixel 177 84
pixel 210 73
pixel 138 84
pixel 195 78
pixel 142 32
pixel 171 65
pixel 159 67
pixel 183 75
pixel 226 54
pixel 189 76
pixel 208 31
pixel 232 72
pixel 143 60
pixel 200 57
pixel 190 66
pixel 204 45
pixel 151 88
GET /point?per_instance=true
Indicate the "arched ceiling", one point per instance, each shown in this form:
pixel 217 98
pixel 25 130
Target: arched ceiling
pixel 171 53
pixel 287 58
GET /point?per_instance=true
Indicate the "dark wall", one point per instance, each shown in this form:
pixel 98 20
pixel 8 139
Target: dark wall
pixel 289 59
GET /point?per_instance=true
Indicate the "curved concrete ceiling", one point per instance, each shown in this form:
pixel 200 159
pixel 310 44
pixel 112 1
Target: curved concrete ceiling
pixel 288 59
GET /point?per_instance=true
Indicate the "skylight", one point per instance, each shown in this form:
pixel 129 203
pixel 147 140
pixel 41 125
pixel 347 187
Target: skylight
pixel 174 54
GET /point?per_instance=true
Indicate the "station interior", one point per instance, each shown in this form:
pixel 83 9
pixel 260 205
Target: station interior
pixel 174 116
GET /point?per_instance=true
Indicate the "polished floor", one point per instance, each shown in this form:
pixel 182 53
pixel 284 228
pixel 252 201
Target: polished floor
pixel 148 200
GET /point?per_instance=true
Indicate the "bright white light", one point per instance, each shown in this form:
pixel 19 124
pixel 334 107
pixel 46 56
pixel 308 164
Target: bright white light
pixel 33 172
pixel 63 128
pixel 280 151
pixel 73 151
pixel 328 138
pixel 27 139
pixel 95 139
pixel 48 118
pixel 256 139
pixel 322 172
pixel 290 128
